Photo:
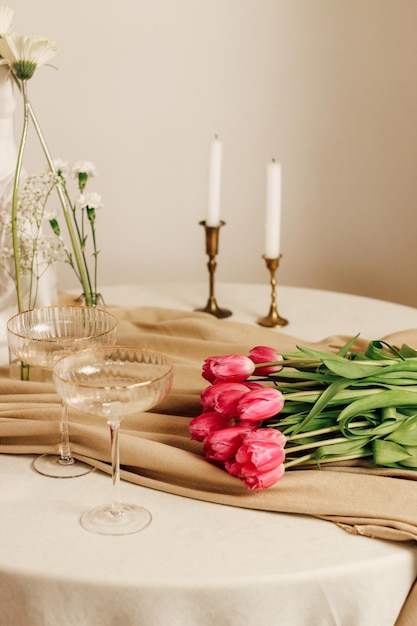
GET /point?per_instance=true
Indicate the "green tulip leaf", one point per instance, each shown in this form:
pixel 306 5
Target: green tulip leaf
pixel 411 461
pixel 407 351
pixel 377 350
pixel 344 367
pixel 406 433
pixel 344 350
pixel 345 448
pixel 383 399
pixel 387 452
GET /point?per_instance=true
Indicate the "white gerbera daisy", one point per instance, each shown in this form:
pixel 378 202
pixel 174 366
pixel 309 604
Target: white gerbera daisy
pixel 6 17
pixel 23 54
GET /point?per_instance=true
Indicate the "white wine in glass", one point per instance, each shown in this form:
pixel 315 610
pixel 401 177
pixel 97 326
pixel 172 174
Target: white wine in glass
pixel 112 382
pixel 38 337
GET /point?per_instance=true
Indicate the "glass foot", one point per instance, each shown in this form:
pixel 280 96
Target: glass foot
pixel 104 521
pixel 48 465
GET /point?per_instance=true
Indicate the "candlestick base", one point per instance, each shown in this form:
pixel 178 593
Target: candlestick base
pixel 212 245
pixel 273 319
pixel 212 308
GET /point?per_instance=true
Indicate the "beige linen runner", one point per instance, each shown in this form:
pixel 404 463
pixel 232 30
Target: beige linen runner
pixel 156 450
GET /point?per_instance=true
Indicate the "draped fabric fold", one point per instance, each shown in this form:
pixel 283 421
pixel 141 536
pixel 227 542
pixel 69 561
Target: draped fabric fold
pixel 156 450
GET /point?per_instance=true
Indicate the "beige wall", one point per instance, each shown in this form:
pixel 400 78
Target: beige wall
pixel 327 87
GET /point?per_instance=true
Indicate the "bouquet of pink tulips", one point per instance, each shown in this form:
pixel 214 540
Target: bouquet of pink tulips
pixel 268 412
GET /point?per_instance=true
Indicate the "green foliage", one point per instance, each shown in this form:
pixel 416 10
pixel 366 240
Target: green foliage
pixel 349 405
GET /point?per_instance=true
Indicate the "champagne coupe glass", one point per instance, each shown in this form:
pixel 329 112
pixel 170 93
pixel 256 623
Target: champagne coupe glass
pixel 110 383
pixel 38 337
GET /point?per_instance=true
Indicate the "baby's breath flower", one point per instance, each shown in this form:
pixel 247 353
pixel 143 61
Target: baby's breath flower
pixel 36 250
pixel 24 54
pixel 5 255
pixel 6 17
pixel 5 220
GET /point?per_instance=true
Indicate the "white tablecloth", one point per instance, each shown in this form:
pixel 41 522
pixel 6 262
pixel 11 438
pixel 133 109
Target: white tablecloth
pixel 198 563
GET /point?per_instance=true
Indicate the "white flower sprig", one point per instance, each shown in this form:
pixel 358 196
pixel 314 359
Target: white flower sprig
pixel 37 251
pixel 87 203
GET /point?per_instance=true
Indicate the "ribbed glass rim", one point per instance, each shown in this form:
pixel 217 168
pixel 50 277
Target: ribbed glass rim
pixel 113 348
pixel 63 339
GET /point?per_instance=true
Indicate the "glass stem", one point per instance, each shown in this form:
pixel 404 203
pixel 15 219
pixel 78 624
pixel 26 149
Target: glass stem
pixel 116 505
pixel 65 456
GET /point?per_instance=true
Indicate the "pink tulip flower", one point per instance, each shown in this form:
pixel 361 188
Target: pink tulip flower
pixel 205 424
pixel 210 395
pixel 261 450
pixel 260 404
pixel 222 445
pixel 262 480
pixel 259 461
pixel 263 354
pixel 227 402
pixel 270 435
pixel 234 368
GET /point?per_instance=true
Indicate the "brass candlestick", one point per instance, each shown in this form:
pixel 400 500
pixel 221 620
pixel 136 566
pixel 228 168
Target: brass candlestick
pixel 212 248
pixel 273 318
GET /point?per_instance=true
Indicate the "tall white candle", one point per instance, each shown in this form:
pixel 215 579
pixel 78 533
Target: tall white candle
pixel 273 211
pixel 214 190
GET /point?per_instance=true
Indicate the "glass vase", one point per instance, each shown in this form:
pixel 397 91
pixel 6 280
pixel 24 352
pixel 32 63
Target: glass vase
pixel 47 293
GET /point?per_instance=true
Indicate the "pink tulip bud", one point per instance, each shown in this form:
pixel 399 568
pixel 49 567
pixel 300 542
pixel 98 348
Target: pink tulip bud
pixel 260 404
pixel 209 396
pixel 259 461
pixel 261 452
pixel 234 368
pixel 270 435
pixel 222 445
pixel 205 424
pixel 263 354
pixel 263 480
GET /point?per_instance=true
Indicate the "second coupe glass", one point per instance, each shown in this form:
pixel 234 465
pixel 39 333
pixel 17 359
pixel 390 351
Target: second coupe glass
pixel 111 383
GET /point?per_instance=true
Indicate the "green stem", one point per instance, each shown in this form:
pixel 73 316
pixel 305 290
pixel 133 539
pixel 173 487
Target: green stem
pixel 290 362
pixel 86 286
pixel 347 394
pixel 309 459
pixel 95 254
pixel 81 238
pixel 16 184
pixel 316 444
pixel 322 431
pixel 299 461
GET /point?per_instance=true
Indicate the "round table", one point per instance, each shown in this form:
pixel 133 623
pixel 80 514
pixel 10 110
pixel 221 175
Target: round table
pixel 198 563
